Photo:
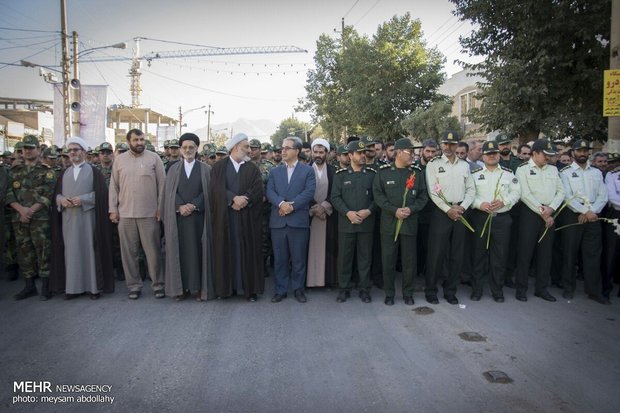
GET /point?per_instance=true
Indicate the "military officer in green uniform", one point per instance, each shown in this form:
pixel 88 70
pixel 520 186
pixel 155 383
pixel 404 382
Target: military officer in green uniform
pixel 264 166
pixel 4 181
pixel 400 191
pixel 507 159
pixel 353 198
pixel 30 189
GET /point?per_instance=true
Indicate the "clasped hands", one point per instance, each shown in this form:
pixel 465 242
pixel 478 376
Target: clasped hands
pixel 455 212
pixel 285 208
pixel 587 217
pixel 187 209
pixel 239 202
pixel 546 214
pixel 71 202
pixel 357 217
pixel 319 211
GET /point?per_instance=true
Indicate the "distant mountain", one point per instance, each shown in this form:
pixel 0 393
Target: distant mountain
pixel 261 129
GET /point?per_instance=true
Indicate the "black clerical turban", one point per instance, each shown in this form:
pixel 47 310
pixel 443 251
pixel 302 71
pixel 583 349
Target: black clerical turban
pixel 189 137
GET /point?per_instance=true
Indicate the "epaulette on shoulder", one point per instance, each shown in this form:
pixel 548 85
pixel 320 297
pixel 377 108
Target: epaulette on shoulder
pixel 505 169
pixel 524 163
pixel 370 168
pixel 565 168
pixel 436 157
pixel 46 166
pixel 387 165
pixel 414 166
pixel 476 170
pixel 341 170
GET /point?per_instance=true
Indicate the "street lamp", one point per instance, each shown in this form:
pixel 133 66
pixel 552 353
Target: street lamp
pixel 185 113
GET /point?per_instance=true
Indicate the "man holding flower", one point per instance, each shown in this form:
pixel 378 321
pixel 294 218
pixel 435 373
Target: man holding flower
pixel 497 191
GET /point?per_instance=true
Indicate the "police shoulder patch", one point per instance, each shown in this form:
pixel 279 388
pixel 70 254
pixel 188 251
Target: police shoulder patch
pixel 506 169
pixel 565 168
pixel 476 170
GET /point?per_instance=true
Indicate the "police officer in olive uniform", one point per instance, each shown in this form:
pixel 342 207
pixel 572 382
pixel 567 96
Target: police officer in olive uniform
pixel 399 203
pixel 507 159
pixel 352 196
pixel 497 191
pixel 542 193
pixel 30 191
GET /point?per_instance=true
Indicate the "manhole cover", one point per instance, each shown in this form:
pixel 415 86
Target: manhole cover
pixel 472 336
pixel 496 376
pixel 423 310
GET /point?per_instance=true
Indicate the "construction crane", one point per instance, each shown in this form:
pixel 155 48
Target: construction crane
pixel 137 59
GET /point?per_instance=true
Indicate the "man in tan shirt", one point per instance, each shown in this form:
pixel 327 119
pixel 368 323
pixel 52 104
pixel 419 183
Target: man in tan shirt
pixel 136 188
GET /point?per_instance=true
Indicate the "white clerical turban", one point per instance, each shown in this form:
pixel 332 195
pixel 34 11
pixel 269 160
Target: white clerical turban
pixel 235 140
pixel 79 141
pixel 320 141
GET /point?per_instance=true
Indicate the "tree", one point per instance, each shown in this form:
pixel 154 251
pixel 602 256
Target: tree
pixel 431 122
pixel 369 85
pixel 291 127
pixel 544 62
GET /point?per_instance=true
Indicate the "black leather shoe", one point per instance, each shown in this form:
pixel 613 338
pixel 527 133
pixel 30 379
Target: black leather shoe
pixel 342 296
pixel 568 295
pixel 95 296
pixel 300 296
pixel 521 297
pixel 252 298
pixel 599 299
pixel 277 298
pixel 476 297
pixel 71 296
pixel 545 296
pixel 409 300
pixel 159 293
pixel 499 299
pixel 389 301
pixel 365 296
pixel 432 299
pixel 451 299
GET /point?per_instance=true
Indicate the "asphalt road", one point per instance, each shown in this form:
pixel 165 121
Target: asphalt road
pixel 235 356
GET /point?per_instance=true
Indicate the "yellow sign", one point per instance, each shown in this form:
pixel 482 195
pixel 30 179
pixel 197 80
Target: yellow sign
pixel 611 93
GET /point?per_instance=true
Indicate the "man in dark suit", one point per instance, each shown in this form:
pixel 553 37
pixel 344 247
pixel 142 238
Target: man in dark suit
pixel 290 189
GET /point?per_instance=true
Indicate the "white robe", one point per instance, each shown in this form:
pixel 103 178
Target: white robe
pixel 318 233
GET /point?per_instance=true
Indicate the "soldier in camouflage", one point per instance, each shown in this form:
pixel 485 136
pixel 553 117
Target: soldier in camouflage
pixel 264 167
pixel 30 189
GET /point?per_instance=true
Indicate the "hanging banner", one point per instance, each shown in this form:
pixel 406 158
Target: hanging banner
pixel 611 93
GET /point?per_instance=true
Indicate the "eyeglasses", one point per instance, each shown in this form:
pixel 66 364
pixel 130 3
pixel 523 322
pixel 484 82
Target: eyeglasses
pixel 287 148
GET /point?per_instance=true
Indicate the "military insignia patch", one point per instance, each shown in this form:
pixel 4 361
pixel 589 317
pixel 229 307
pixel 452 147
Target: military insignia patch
pixel 481 177
pixel 532 172
pixel 574 175
pixel 347 182
pixel 514 181
pixel 390 183
pixel 450 136
pixel 441 170
pixel 50 175
pixel 16 184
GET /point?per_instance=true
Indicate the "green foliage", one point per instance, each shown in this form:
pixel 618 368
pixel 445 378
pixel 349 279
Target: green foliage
pixel 431 122
pixel 369 85
pixel 290 127
pixel 544 62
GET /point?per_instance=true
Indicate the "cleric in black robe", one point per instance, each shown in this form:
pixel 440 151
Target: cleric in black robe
pixel 236 208
pixel 103 238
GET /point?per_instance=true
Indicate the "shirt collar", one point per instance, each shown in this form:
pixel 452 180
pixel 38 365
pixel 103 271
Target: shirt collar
pixel 574 165
pixel 79 165
pixel 294 165
pixel 235 163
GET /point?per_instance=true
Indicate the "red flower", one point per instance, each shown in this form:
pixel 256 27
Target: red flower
pixel 410 182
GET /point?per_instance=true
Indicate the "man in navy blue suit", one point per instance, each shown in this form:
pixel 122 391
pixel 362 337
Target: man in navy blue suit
pixel 290 189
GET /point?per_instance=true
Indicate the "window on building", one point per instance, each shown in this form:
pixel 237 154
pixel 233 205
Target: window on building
pixel 467 102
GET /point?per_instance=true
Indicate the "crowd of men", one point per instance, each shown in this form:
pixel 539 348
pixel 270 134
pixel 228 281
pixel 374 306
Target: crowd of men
pixel 212 224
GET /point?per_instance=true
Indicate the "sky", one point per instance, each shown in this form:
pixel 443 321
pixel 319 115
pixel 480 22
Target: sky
pixel 265 86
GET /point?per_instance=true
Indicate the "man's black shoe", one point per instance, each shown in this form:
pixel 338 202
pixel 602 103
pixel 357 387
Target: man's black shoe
pixel 277 298
pixel 499 299
pixel 342 296
pixel 568 295
pixel 409 300
pixel 389 301
pixel 71 296
pixel 451 299
pixel 159 293
pixel 599 299
pixel 432 299
pixel 365 296
pixel 521 297
pixel 95 296
pixel 252 298
pixel 476 297
pixel 300 296
pixel 545 296
pixel 29 290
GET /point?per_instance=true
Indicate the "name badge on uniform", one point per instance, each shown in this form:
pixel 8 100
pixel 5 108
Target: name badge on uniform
pixel 532 172
pixel 481 177
pixel 441 170
pixel 347 182
pixel 574 175
pixel 515 181
pixel 390 182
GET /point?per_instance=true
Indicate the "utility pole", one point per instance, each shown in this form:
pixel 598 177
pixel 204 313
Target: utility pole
pixel 76 98
pixel 209 123
pixel 65 70
pixel 180 121
pixel 613 137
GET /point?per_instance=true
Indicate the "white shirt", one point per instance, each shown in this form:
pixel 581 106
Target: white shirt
pixel 76 170
pixel 586 182
pixel 290 170
pixel 455 181
pixel 612 180
pixel 500 179
pixel 236 164
pixel 319 171
pixel 188 167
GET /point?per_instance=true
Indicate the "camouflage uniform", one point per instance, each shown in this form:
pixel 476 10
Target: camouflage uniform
pixel 29 185
pixel 116 244
pixel 264 166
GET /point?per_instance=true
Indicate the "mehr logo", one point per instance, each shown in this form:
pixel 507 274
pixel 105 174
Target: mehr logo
pixel 32 386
